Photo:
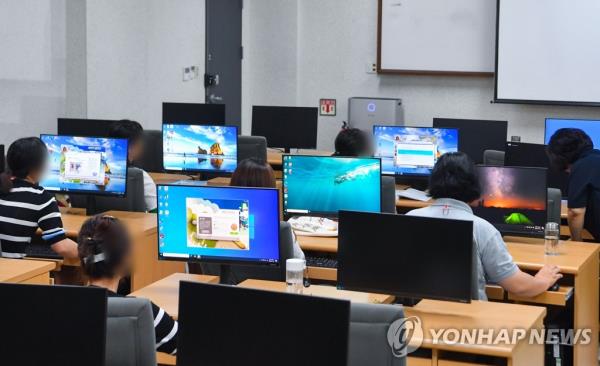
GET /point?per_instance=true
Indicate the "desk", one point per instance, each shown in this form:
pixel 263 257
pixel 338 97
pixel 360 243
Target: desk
pixel 25 271
pixel 274 157
pixel 579 260
pixel 143 229
pixel 167 178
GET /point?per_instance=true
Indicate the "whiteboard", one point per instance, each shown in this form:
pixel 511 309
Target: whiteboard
pixel 447 36
pixel 550 58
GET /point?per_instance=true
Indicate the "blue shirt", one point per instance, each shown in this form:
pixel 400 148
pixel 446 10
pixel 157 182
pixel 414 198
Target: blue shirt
pixel 584 189
pixel 494 263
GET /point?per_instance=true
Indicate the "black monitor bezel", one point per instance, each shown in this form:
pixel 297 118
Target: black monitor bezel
pixel 94 193
pixel 287 215
pixel 207 171
pixel 224 261
pixel 407 177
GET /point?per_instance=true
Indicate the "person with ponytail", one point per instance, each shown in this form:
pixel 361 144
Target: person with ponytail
pixel 105 254
pixel 25 206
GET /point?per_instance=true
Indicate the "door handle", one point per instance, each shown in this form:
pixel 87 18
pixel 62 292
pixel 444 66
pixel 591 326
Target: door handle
pixel 215 99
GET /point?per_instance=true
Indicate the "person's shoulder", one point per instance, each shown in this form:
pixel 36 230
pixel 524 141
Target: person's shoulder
pixel 425 211
pixel 591 158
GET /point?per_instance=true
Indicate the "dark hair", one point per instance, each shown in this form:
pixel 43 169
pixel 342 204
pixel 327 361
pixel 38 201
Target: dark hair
pixel 566 147
pixel 23 157
pixel 454 176
pixel 126 129
pixel 352 142
pixel 253 173
pixel 104 245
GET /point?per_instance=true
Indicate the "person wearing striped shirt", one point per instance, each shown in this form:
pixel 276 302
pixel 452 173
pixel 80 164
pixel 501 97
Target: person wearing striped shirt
pixel 25 206
pixel 105 254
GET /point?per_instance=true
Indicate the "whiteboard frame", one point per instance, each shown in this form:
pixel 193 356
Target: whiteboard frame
pixel 526 101
pixel 380 70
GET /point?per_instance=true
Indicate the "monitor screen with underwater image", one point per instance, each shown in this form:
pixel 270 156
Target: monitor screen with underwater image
pixel 90 165
pixel 199 148
pixel 319 185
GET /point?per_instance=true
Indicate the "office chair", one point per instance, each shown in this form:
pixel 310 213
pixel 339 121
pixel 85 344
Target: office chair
pixel 237 273
pixel 493 158
pixel 554 205
pixel 254 147
pixel 130 339
pixel 388 195
pixel 152 161
pixel 368 342
pixel 133 202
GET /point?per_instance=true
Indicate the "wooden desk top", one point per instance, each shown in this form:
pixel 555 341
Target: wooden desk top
pixel 274 157
pixel 573 255
pixel 476 315
pixel 322 291
pixel 19 270
pixel 165 293
pixel 167 178
pixel 136 221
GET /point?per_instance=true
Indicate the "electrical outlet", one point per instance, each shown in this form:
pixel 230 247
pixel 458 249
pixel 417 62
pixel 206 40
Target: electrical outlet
pixel 371 67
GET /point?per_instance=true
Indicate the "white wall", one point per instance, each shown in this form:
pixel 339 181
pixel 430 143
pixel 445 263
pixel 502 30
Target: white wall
pixel 136 51
pixel 336 38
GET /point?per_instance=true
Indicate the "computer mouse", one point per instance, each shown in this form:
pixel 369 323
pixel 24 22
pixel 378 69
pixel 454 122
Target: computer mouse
pixel 554 287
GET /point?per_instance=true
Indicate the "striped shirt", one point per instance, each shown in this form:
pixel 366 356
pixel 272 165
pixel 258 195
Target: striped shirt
pixel 165 328
pixel 23 210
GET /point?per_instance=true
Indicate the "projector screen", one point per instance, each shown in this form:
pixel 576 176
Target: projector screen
pixel 548 52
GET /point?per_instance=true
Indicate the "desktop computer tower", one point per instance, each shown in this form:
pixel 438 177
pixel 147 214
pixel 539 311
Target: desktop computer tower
pixel 364 113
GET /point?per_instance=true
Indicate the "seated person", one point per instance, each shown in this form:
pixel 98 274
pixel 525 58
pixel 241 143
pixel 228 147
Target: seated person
pixel 134 133
pixel 25 206
pixel 572 150
pixel 454 185
pixel 353 142
pixel 105 253
pixel 253 173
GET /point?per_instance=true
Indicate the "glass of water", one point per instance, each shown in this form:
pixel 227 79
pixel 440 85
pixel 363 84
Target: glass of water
pixel 552 238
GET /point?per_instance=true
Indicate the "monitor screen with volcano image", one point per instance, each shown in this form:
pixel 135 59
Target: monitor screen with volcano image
pixel 513 199
pixel 195 148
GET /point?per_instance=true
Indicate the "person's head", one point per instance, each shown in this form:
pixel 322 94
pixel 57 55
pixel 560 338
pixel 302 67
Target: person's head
pixel 133 132
pixel 104 248
pixel 353 142
pixel 26 159
pixel 253 173
pixel 454 176
pixel 566 147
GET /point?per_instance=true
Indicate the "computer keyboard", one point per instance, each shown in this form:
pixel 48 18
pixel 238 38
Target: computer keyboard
pixel 41 251
pixel 321 262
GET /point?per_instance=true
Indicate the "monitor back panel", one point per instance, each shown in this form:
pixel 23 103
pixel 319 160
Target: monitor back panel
pixel 286 127
pixel 476 136
pixel 194 114
pixel 406 256
pixel 222 325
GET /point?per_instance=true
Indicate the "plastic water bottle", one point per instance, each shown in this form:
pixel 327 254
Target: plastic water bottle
pixel 294 275
pixel 552 238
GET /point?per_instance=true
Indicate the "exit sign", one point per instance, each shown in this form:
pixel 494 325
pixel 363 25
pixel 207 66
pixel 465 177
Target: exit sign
pixel 328 107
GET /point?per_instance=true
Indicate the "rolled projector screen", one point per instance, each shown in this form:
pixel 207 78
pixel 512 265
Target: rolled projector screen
pixel 548 51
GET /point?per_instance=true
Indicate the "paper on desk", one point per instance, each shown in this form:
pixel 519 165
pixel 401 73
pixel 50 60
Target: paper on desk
pixel 414 194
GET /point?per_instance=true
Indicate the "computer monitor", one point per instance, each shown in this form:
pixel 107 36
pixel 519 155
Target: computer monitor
pixel 84 127
pixel 88 165
pixel 591 127
pixel 476 136
pixel 324 185
pixel 52 325
pixel 406 256
pixel 513 199
pixel 286 127
pixel 194 114
pixel 227 325
pixel 412 151
pixel 534 155
pixel 218 224
pixel 196 148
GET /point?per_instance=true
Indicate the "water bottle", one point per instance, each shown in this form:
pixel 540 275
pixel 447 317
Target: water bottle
pixel 294 275
pixel 552 238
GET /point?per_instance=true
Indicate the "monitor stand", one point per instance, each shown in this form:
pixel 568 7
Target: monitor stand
pixel 224 273
pixel 90 206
